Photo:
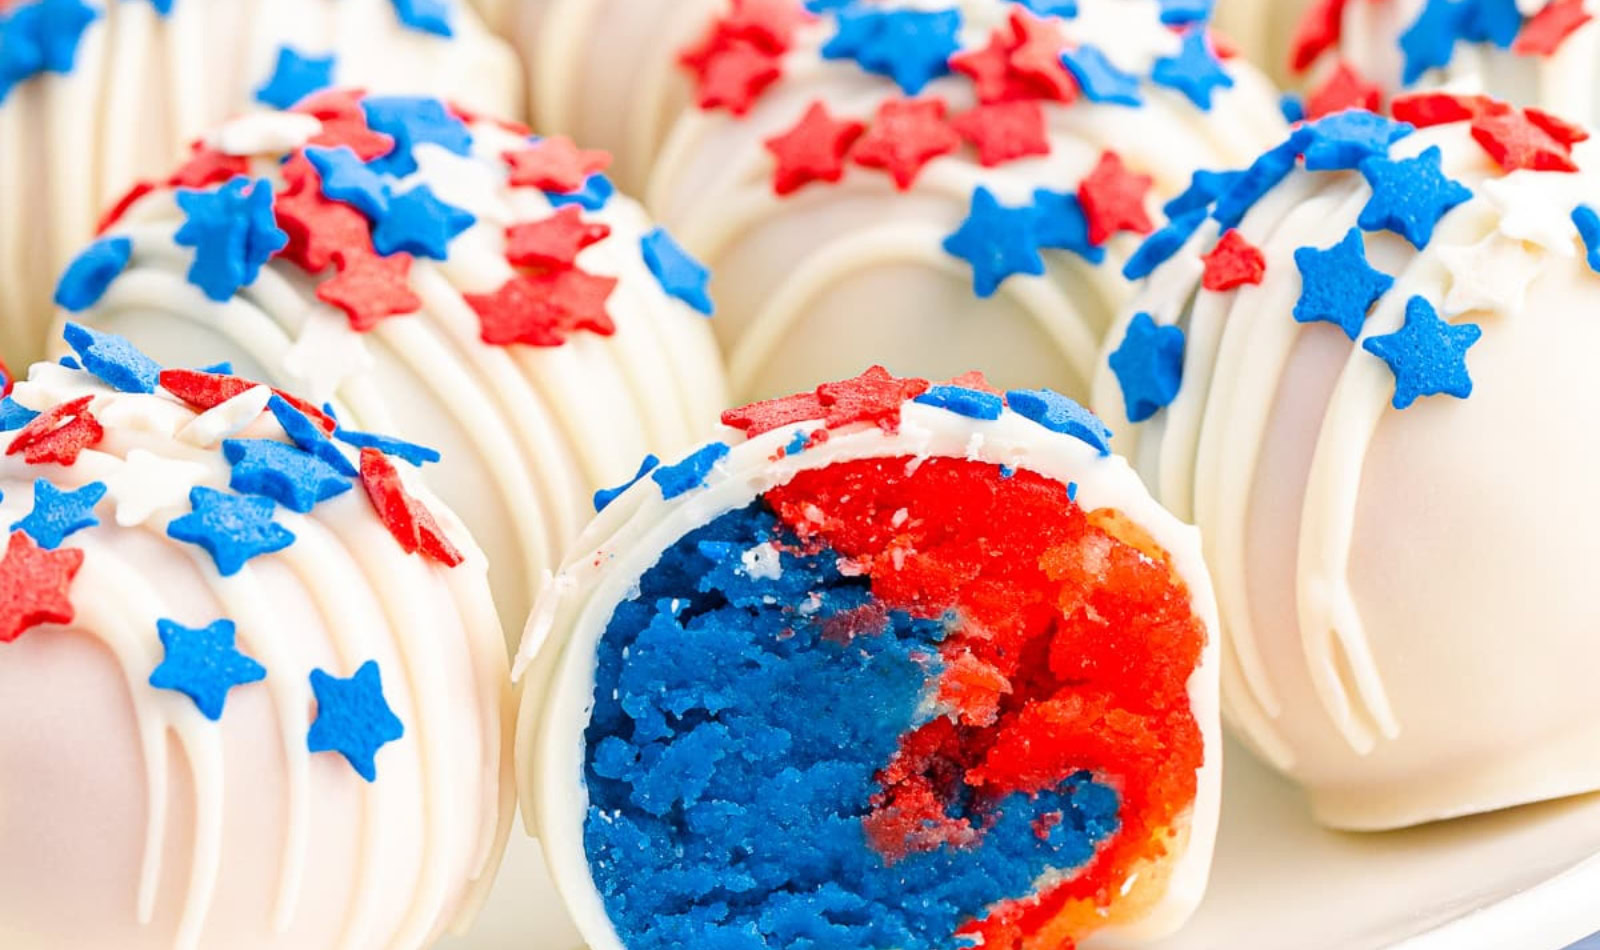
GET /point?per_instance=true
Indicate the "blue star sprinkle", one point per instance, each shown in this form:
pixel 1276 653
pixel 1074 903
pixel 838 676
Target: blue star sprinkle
pixel 70 362
pixel 826 6
pixel 420 224
pixel 14 415
pixel 233 232
pixel 203 664
pixel 596 191
pixel 1337 285
pixel 1428 356
pixel 162 7
pixel 605 496
pixel 425 16
pixel 1264 174
pixel 47 36
pixel 1195 71
pixel 679 274
pixel 1409 196
pixel 1159 247
pixel 1066 9
pixel 307 437
pixel 1587 221
pixel 294 77
pixel 997 241
pixel 1183 12
pixel 1057 413
pixel 1293 107
pixel 418 455
pixel 89 275
pixel 689 474
pixel 346 178
pixel 412 121
pixel 912 47
pixel 1204 188
pixel 231 528
pixel 1345 139
pixel 57 514
pixel 353 718
pixel 1430 41
pixel 972 403
pixel 1149 366
pixel 118 363
pixel 1059 222
pixel 295 479
pixel 1099 78
pixel 1490 21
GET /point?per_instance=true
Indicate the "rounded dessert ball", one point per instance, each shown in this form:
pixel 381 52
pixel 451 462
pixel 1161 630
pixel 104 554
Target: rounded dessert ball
pixel 96 95
pixel 901 667
pixel 935 187
pixel 1365 394
pixel 252 687
pixel 435 274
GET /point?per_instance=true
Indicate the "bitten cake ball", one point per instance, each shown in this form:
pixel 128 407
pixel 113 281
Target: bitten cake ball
pixel 434 274
pixel 1365 375
pixel 98 94
pixel 935 186
pixel 252 688
pixel 904 667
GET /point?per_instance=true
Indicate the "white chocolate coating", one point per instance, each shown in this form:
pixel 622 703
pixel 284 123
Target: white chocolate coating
pixel 144 86
pixel 129 820
pixel 527 433
pixel 556 665
pixel 834 277
pixel 1407 628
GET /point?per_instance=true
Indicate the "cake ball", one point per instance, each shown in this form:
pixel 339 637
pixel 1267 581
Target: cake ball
pixel 941 186
pixel 434 274
pixel 1360 373
pixel 899 666
pixel 98 94
pixel 252 688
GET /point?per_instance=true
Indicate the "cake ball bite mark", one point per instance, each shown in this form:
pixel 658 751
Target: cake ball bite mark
pixel 253 694
pixel 904 665
pixel 1422 283
pixel 433 273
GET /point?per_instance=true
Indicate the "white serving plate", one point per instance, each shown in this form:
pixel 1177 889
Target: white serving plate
pixel 1528 879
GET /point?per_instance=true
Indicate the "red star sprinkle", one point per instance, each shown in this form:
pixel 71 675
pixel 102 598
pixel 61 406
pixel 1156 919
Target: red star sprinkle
pixel 1036 57
pixel 1427 109
pixel 1558 128
pixel 371 287
pixel 906 135
pixel 1515 142
pixel 974 379
pixel 1546 30
pixel 769 24
pixel 34 586
pixel 1344 89
pixel 408 520
pixel 555 164
pixel 208 166
pixel 59 434
pixel 540 310
pixel 1319 31
pixel 1234 262
pixel 759 418
pixel 1004 132
pixel 202 391
pixel 555 241
pixel 471 117
pixel 344 122
pixel 734 76
pixel 990 70
pixel 128 200
pixel 813 150
pixel 875 396
pixel 318 229
pixel 1113 200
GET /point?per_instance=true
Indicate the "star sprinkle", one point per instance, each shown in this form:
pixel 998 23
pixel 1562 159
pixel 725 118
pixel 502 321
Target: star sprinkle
pixel 1346 139
pixel 308 436
pixel 1204 188
pixel 733 76
pixel 203 664
pixel 873 397
pixel 417 455
pixel 146 483
pixel 605 496
pixel 1264 174
pixel 14 416
pixel 1184 12
pixel 318 229
pixel 555 241
pixel 1514 141
pixel 1149 366
pixel 353 718
pixel 1544 33
pixel 112 359
pixel 1409 196
pixel 283 473
pixel 971 403
pixel 231 528
pixel 58 514
pixel 1099 79
pixel 555 164
pixel 1587 221
pixel 1113 199
pixel 1004 132
pixel 1429 43
pixel 1195 71
pixel 1338 286
pixel 912 47
pixel 1233 263
pixel 207 167
pixel 759 418
pixel 425 16
pixel 410 121
pixel 90 274
pixel 1492 275
pixel 1159 247
pixel 1428 356
pixel 1343 89
pixel 344 122
pixel 295 76
pixel 408 520
pixel 1532 208
pixel 35 586
pixel 541 310
pixel 691 473
pixel 370 288
pixel 233 231
pixel 345 177
pixel 1033 61
pixel 59 434
pixel 770 24
pixel 41 37
pixel 997 241
pixel 419 223
pixel 905 135
pixel 1428 109
pixel 680 275
pixel 596 191
pixel 1059 222
pixel 1057 413
pixel 813 149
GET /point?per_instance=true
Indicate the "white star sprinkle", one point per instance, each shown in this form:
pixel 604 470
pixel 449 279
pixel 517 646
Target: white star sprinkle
pixel 464 182
pixel 51 384
pixel 263 133
pixel 224 419
pixel 1535 207
pixel 326 353
pixel 147 484
pixel 1492 275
